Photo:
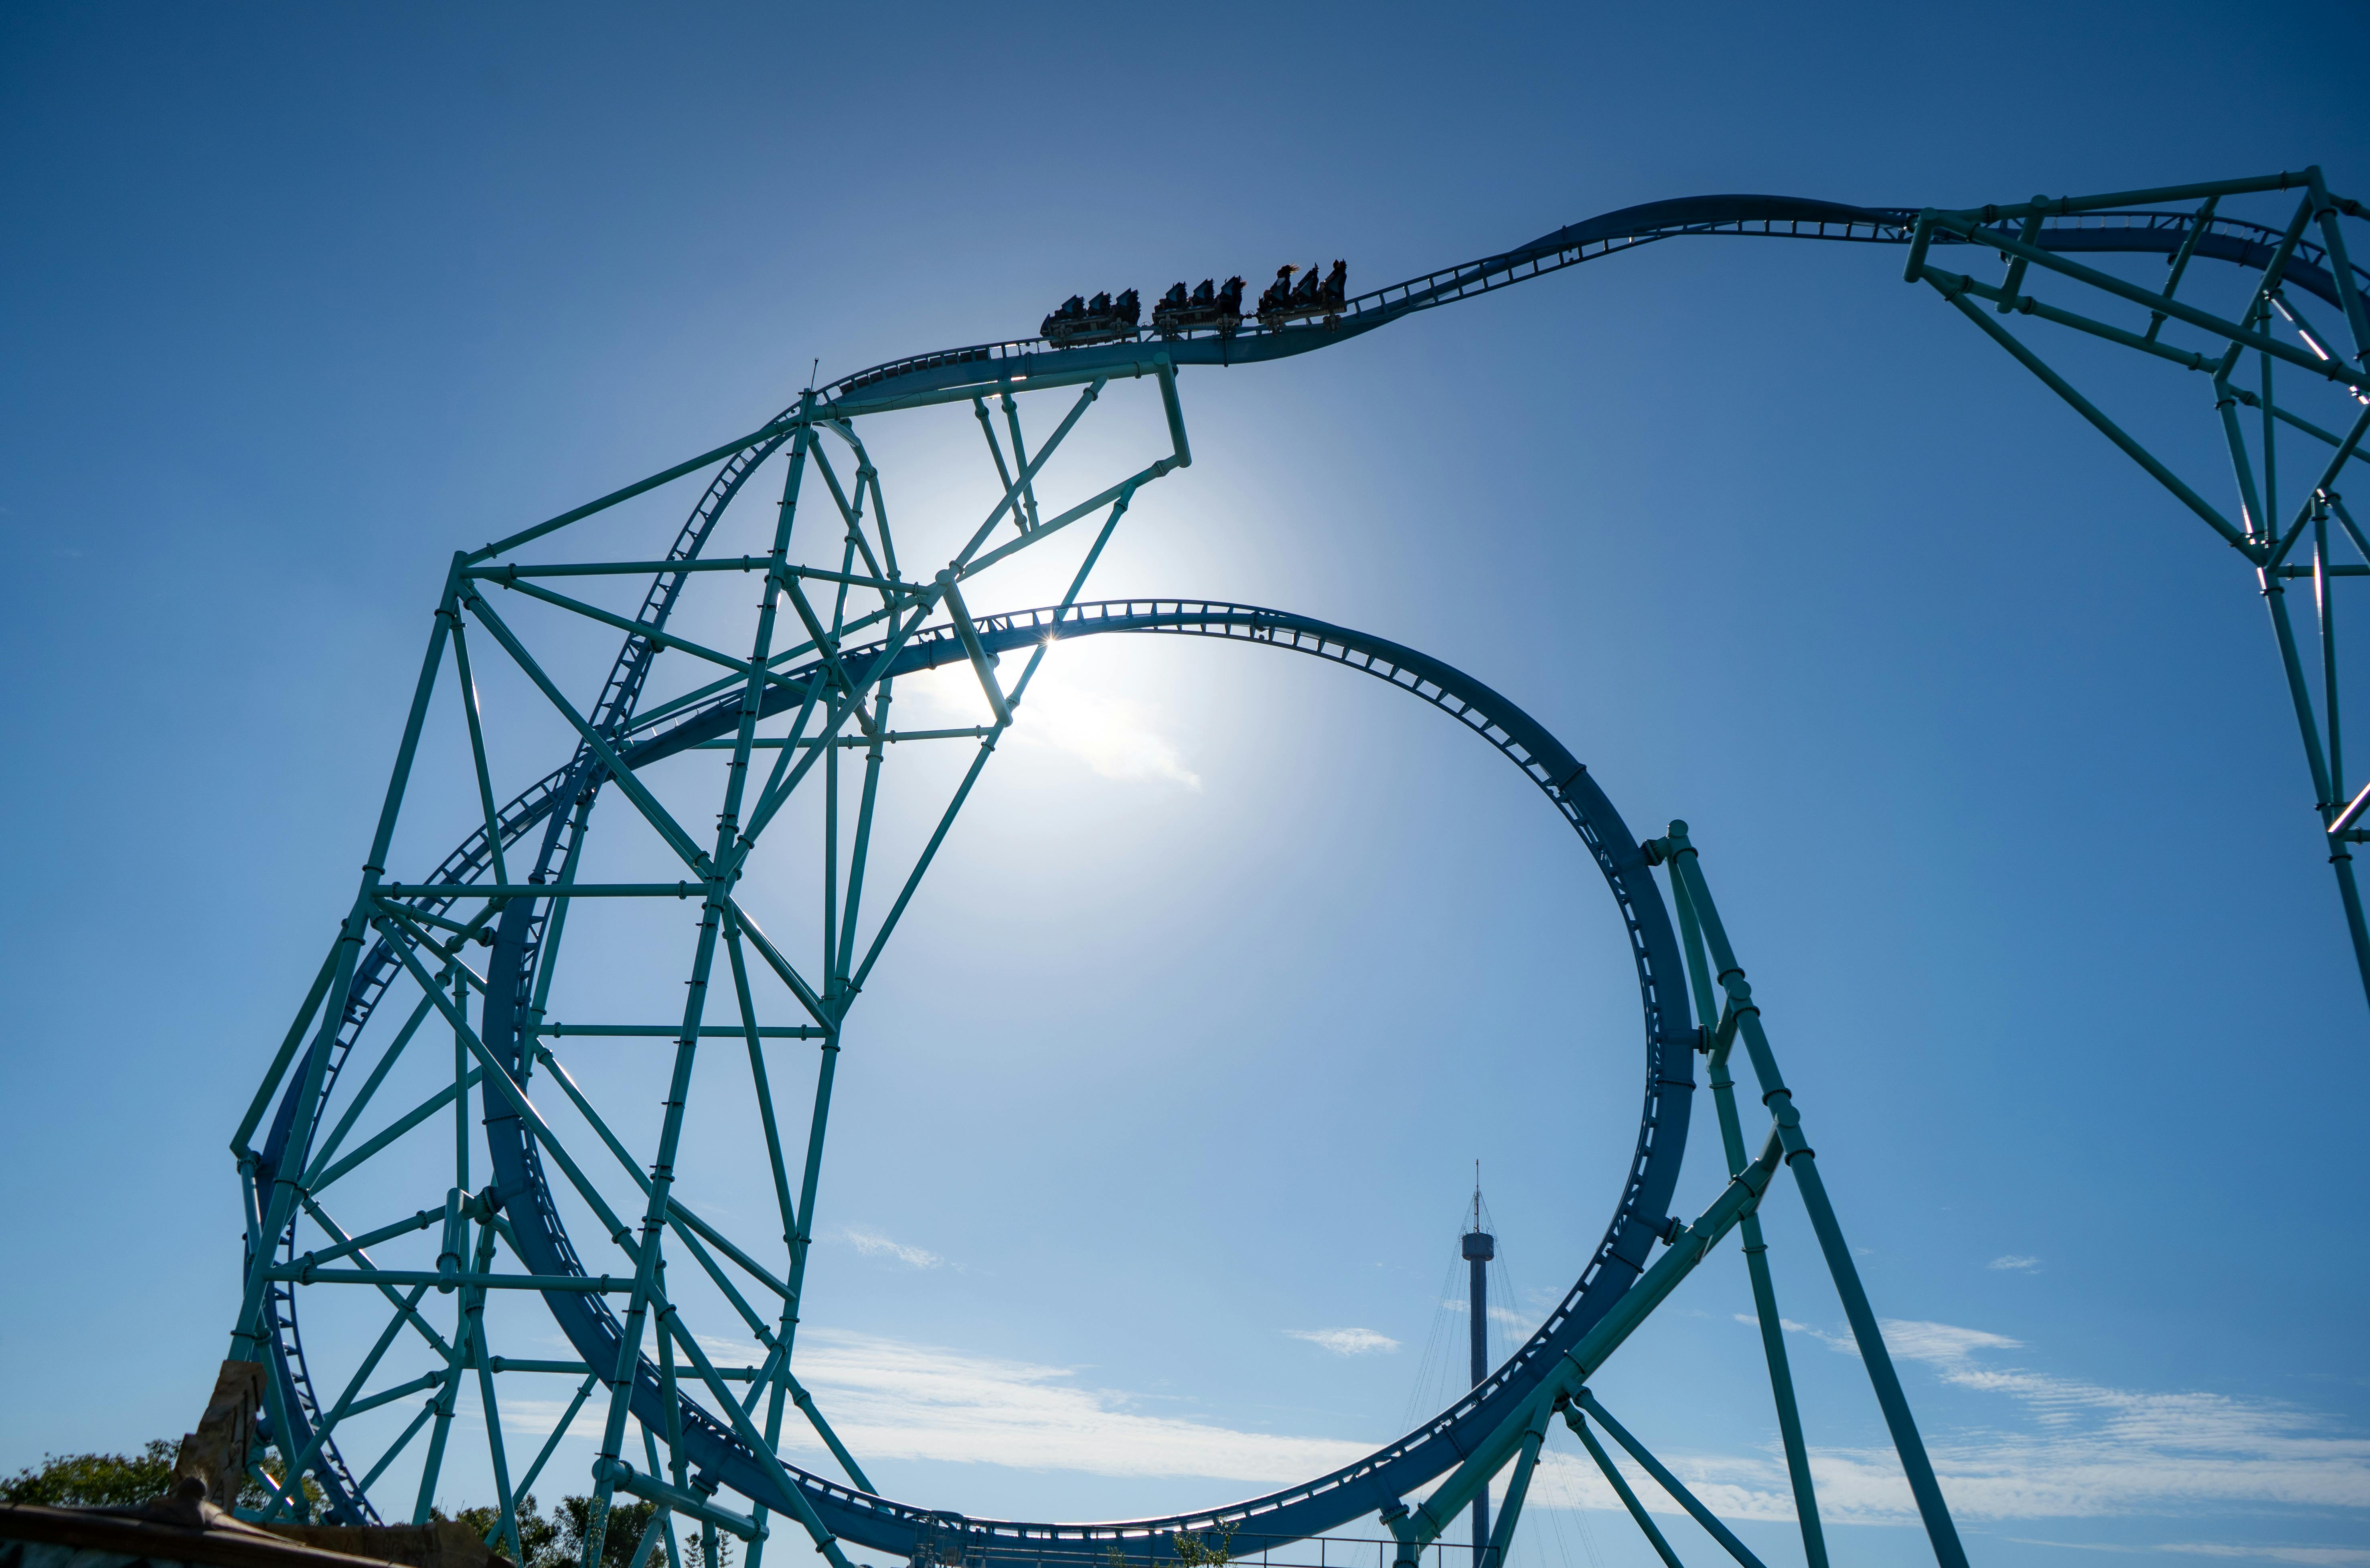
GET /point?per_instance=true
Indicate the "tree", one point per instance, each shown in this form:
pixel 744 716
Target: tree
pixel 96 1480
pixel 695 1551
pixel 627 1522
pixel 1196 1553
pixel 115 1480
pixel 539 1539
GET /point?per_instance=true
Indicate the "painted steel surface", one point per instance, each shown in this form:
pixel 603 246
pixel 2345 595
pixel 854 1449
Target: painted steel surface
pixel 1382 1478
pixel 517 869
pixel 903 382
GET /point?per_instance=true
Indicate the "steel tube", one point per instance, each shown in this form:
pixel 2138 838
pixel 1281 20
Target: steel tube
pixel 1579 1424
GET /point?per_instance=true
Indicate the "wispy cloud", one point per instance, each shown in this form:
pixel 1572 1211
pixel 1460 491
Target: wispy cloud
pixel 2015 1261
pixel 1944 1343
pixel 872 1244
pixel 2313 1556
pixel 2081 1450
pixel 1504 1317
pixel 1346 1342
pixel 2059 1447
pixel 895 1399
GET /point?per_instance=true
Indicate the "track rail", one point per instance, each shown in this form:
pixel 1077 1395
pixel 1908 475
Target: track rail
pixel 1387 1474
pixel 1391 1472
pixel 933 376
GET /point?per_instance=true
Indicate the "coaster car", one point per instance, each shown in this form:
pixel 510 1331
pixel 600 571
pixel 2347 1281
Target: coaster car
pixel 1206 307
pixel 1101 319
pixel 1316 295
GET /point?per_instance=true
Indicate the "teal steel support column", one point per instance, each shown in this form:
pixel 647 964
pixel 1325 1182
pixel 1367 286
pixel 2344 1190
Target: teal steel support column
pixel 448 1393
pixel 327 1424
pixel 550 1444
pixel 1670 1483
pixel 650 1541
pixel 1518 1487
pixel 1756 1250
pixel 1579 1424
pixel 247 1339
pixel 1931 1508
pixel 2327 802
pixel 662 1181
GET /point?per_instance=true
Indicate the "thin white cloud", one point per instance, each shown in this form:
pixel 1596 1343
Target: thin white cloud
pixel 2312 1556
pixel 1833 1342
pixel 895 1399
pixel 1504 1317
pixel 872 1244
pixel 1942 1343
pixel 2061 1448
pixel 2015 1261
pixel 1346 1342
pixel 2083 1449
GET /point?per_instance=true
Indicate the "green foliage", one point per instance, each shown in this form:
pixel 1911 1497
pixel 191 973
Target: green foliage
pixel 539 1539
pixel 627 1522
pixel 558 1541
pixel 252 1496
pixel 1196 1553
pixel 115 1480
pixel 96 1480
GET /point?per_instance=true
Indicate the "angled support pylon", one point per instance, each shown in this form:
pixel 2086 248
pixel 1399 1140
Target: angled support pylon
pixel 1756 1248
pixel 2273 329
pixel 1620 1484
pixel 1671 1483
pixel 1740 1018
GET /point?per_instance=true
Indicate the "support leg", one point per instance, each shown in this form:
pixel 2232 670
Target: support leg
pixel 1745 1018
pixel 1670 1483
pixel 1756 1251
pixel 1579 1424
pixel 1518 1486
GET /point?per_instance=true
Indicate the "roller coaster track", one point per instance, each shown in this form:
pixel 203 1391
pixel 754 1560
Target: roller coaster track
pixel 1329 1501
pixel 1386 1475
pixel 560 801
pixel 300 1412
pixel 900 383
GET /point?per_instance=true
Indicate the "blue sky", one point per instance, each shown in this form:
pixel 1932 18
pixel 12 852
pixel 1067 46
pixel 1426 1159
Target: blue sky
pixel 1156 1124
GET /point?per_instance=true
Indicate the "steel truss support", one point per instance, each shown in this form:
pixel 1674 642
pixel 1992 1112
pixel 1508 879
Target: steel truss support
pixel 514 888
pixel 510 886
pixel 2274 330
pixel 1712 966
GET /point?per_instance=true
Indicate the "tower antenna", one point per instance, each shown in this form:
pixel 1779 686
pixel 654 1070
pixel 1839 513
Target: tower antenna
pixel 1479 1248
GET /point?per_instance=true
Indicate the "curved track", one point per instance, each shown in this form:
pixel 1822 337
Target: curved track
pixel 562 800
pixel 926 377
pixel 1383 1477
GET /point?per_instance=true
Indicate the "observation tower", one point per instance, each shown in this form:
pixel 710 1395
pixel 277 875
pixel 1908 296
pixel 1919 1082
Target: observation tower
pixel 1479 1246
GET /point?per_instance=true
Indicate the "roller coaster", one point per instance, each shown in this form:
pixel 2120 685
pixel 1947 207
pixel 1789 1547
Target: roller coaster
pixel 495 1224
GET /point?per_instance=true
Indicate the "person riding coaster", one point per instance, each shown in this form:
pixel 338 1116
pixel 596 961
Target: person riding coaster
pixel 1208 305
pixel 1277 296
pixel 1316 295
pixel 1099 320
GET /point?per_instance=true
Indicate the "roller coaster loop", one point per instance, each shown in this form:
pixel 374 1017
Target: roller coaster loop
pixel 840 621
